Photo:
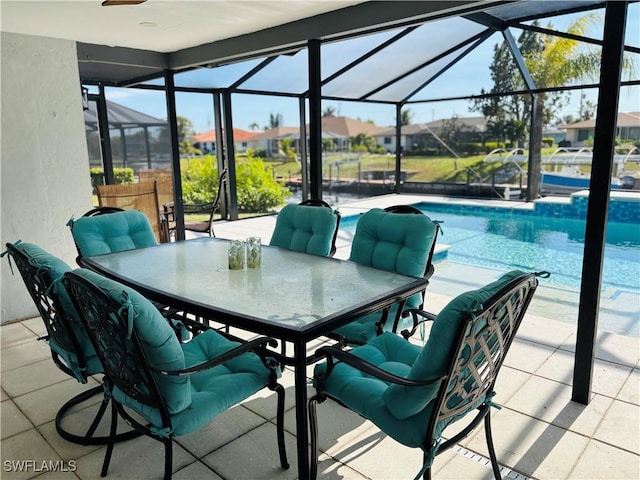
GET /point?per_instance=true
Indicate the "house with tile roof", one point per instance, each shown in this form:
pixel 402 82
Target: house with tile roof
pixel 206 141
pixel 337 129
pixel 344 128
pixel 627 128
pixel 422 135
pixel 268 140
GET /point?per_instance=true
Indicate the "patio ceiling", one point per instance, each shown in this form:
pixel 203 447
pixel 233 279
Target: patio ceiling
pixel 261 47
pixel 370 52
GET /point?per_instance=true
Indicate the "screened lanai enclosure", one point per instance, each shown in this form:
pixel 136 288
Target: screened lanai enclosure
pixel 396 56
pixel 136 140
pixel 406 63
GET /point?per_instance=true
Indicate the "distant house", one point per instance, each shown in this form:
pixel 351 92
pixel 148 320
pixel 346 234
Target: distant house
pixel 423 135
pixel 206 141
pixel 268 140
pixel 344 128
pixel 339 130
pixel 628 128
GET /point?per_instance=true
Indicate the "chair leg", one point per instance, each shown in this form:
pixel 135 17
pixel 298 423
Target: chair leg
pixel 112 440
pixel 313 438
pixel 427 473
pixel 284 463
pixel 492 452
pixel 168 457
pixel 88 438
pixel 283 351
pixel 96 421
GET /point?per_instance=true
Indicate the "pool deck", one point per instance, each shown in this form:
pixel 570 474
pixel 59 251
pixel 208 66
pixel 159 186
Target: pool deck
pixel 539 433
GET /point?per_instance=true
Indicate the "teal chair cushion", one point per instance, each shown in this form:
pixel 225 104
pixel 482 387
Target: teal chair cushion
pixel 395 242
pixel 213 390
pixel 404 402
pixel 158 339
pixel 306 229
pixel 364 394
pixel 54 269
pixel 114 232
pixel 364 328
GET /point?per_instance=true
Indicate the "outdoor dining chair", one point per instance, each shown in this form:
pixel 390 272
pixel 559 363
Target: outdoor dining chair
pixel 309 227
pixel 164 182
pixel 413 393
pixel 71 349
pixel 176 388
pixel 141 196
pixel 208 208
pixel 107 230
pixel 399 239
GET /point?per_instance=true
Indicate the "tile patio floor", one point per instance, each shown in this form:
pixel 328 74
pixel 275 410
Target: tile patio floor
pixel 539 433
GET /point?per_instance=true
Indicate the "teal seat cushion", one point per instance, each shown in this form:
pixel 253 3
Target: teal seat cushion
pixel 54 269
pixel 213 390
pixel 364 328
pixel 306 229
pixel 404 402
pixel 114 232
pixel 364 394
pixel 158 339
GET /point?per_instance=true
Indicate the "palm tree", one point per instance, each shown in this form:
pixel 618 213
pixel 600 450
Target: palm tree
pixel 287 148
pixel 329 112
pixel 254 126
pixel 406 117
pixel 275 120
pixel 560 61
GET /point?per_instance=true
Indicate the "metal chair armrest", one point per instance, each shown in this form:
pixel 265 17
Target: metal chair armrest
pixel 415 313
pixel 369 369
pixel 251 345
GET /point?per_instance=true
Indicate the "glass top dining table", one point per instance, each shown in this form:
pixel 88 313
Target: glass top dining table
pixel 292 296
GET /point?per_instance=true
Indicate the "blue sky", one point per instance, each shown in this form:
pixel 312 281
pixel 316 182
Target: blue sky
pixel 467 78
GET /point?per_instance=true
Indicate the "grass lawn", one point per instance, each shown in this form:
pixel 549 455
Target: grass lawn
pixel 426 169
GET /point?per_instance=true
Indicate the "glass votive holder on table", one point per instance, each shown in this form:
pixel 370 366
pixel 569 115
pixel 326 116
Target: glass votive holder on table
pixel 236 255
pixel 254 252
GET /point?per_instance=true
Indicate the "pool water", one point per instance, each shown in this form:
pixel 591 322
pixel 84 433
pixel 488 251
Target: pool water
pixel 534 243
pixel 541 243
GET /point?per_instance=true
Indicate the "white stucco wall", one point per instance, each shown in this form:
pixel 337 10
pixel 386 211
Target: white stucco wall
pixel 44 168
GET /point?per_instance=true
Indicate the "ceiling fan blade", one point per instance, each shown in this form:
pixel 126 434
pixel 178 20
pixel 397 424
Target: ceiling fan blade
pixel 112 3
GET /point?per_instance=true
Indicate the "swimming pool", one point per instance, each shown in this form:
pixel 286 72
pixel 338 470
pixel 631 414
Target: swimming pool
pixel 506 241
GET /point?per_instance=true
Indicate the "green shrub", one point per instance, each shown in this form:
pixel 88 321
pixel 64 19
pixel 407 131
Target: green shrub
pixel 199 179
pixel 260 153
pixel 97 177
pixel 472 148
pixel 256 188
pixel 123 175
pixel 423 152
pixel 359 149
pixel 489 146
pixel 547 141
pixel 120 175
